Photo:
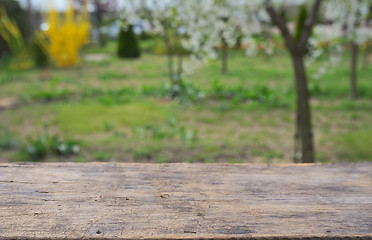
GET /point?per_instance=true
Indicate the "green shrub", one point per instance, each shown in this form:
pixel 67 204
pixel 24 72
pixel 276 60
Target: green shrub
pixel 37 149
pixel 187 92
pixel 142 153
pixel 38 54
pixel 21 17
pixel 55 92
pixel 170 130
pixel 103 156
pixel 128 43
pixel 257 93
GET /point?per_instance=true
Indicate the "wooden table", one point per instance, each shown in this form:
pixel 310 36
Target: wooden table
pixel 185 201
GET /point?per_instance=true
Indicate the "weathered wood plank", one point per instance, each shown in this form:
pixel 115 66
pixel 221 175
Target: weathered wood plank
pixel 185 201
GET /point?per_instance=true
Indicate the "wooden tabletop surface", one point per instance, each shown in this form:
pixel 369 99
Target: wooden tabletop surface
pixel 185 201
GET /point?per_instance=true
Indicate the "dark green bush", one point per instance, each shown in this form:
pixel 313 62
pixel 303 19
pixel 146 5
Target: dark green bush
pixel 38 54
pixel 128 43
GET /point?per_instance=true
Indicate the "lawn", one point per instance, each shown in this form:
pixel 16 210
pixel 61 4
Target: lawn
pixel 117 111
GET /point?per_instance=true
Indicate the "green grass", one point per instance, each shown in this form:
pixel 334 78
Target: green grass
pixel 355 145
pixel 226 130
pixel 88 117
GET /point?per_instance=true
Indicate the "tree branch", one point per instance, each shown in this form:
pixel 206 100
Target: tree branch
pixel 309 24
pixel 281 24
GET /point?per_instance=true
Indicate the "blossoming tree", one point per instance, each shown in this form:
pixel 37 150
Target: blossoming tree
pixel 296 42
pixel 178 24
pixel 226 19
pixel 200 25
pixel 351 19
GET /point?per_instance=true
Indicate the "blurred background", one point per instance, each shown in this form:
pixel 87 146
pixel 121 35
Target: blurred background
pixel 182 81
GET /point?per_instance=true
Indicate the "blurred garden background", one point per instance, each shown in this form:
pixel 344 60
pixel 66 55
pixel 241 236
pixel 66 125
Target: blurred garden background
pixel 184 81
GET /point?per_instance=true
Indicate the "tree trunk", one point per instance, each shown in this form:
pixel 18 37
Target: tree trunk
pixel 172 76
pixel 353 73
pixel 367 51
pixel 180 61
pixel 30 14
pixel 101 37
pixel 304 147
pixel 224 55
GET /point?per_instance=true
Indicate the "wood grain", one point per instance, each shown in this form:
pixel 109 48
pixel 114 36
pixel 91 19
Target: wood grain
pixel 185 201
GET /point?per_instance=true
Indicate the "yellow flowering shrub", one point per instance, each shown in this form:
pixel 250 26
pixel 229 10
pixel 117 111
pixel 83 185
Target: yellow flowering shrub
pixel 65 36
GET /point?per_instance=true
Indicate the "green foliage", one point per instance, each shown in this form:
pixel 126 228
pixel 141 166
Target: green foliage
pixel 142 153
pixel 171 130
pixel 118 92
pixel 188 136
pixel 101 105
pixel 55 92
pixel 6 77
pixel 38 54
pixel 37 149
pixel 80 159
pixel 300 22
pixel 160 48
pixel 146 36
pixel 7 140
pixel 21 17
pixel 256 93
pixel 112 99
pixel 161 158
pixel 315 88
pixel 187 92
pixel 128 46
pixel 232 160
pixel 103 156
pixel 112 75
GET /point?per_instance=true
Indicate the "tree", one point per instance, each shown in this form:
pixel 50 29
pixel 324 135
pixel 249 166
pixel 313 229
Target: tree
pixel 297 46
pixel 161 17
pixel 226 24
pixel 128 44
pixel 368 47
pixel 351 16
pixel 177 23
